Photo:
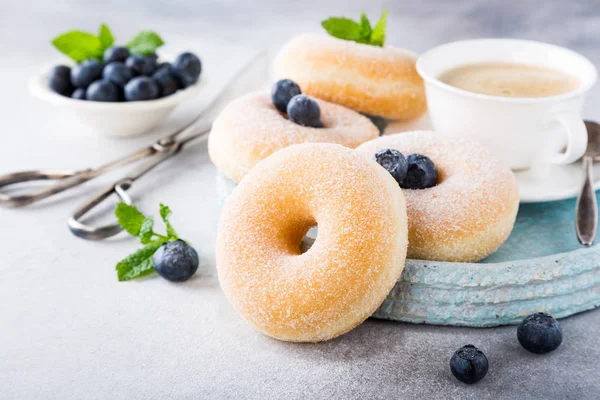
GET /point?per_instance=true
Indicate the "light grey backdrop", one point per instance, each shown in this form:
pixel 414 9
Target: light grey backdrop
pixel 68 330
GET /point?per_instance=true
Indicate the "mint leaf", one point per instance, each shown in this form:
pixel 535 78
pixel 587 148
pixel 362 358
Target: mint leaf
pixel 130 218
pixel 106 37
pixel 378 35
pixel 79 45
pixel 139 263
pixel 146 231
pixel 145 43
pixel 365 28
pixel 344 28
pixel 165 213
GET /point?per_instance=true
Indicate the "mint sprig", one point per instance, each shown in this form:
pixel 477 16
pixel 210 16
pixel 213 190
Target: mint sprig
pixel 106 37
pixel 360 32
pixel 145 43
pixel 79 45
pixel 140 263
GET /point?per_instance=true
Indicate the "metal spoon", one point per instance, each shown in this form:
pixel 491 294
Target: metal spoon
pixel 586 210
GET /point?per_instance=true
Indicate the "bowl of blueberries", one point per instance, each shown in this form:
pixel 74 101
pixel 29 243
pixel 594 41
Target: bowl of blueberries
pixel 117 90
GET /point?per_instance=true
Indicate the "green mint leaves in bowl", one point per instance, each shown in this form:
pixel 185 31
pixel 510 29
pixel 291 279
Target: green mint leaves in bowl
pixel 117 89
pixel 168 255
pixel 80 46
pixel 357 31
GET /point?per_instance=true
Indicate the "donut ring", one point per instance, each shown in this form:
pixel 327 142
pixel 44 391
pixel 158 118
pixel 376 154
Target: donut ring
pixel 355 261
pixel 471 211
pixel 250 128
pixel 379 81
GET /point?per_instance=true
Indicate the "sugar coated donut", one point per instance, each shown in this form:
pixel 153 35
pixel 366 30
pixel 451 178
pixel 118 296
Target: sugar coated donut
pixel 472 209
pixel 250 128
pixel 357 257
pixel 380 81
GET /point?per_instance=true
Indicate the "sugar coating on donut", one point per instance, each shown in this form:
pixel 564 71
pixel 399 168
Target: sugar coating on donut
pixel 250 128
pixel 355 261
pixel 380 81
pixel 471 211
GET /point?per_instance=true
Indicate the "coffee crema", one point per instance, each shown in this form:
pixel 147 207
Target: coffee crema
pixel 510 80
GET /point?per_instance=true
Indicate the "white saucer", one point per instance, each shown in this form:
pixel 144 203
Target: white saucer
pixel 553 182
pixel 547 183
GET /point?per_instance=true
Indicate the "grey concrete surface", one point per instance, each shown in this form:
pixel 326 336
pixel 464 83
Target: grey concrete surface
pixel 69 330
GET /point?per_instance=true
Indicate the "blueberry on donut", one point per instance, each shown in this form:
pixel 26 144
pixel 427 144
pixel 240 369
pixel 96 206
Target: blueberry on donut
pixel 282 92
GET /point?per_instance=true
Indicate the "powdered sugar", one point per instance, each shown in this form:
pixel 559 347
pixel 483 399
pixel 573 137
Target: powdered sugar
pixel 472 209
pixel 346 274
pixel 250 128
pixel 380 81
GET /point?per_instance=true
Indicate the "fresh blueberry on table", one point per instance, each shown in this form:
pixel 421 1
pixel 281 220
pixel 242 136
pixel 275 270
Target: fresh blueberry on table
pixel 141 65
pixel 101 90
pixel 304 111
pixel 539 333
pixel 117 73
pixel 167 84
pixel 468 364
pixel 141 88
pixel 394 162
pixel 176 261
pixel 187 68
pixel 282 92
pixel 421 173
pixel 85 73
pixel 79 94
pixel 59 80
pixel 116 54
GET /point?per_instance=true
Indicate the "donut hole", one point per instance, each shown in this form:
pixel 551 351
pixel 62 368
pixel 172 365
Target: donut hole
pixel 442 175
pixel 298 236
pixel 309 239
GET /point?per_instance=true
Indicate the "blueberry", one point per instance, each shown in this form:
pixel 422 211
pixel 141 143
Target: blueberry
pixel 79 94
pixel 539 333
pixel 187 68
pixel 141 88
pixel 85 73
pixel 163 65
pixel 304 111
pixel 394 162
pixel 468 364
pixel 141 65
pixel 176 261
pixel 117 73
pixel 59 80
pixel 102 91
pixel 116 53
pixel 421 173
pixel 167 84
pixel 282 92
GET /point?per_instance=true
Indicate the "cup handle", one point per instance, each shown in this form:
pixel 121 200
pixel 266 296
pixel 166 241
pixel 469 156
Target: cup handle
pixel 576 139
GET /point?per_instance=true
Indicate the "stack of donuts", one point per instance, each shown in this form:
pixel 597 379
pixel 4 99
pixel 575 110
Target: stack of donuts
pixel 305 155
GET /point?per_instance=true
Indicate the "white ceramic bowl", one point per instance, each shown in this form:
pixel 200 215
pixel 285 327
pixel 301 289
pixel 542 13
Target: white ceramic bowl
pixel 122 119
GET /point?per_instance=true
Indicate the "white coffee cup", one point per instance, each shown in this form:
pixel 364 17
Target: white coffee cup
pixel 520 131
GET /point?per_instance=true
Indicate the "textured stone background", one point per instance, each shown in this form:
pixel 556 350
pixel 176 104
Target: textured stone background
pixel 68 330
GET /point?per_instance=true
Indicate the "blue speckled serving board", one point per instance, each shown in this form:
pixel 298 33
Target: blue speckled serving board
pixel 541 267
pixel 541 229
